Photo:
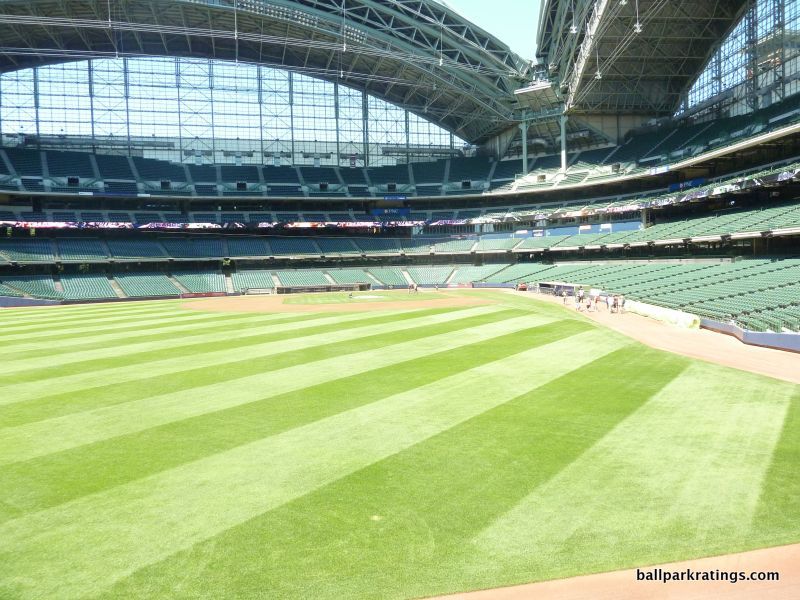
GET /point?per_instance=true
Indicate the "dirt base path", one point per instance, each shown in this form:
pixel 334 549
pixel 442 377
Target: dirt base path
pixel 695 343
pixel 274 303
pixel 622 585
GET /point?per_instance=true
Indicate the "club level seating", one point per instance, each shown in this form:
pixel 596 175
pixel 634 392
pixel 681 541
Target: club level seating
pixel 142 285
pixel 337 246
pixel 243 280
pixel 26 250
pixel 81 249
pixel 199 247
pixel 248 246
pixel 135 248
pixel 454 246
pixel 302 278
pixel 87 287
pixel 199 282
pixel 294 246
pixel 417 245
pixel 377 245
pixel 430 275
pixel 37 286
pixel 496 244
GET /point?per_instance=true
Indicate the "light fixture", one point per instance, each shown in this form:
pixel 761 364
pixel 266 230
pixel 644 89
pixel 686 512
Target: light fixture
pixel 598 75
pixel 637 27
pixel 573 29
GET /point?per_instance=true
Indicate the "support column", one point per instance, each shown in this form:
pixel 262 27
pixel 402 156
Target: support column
pixel 524 129
pixel 563 143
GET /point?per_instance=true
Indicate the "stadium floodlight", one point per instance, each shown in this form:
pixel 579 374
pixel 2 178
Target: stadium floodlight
pixel 637 27
pixel 573 29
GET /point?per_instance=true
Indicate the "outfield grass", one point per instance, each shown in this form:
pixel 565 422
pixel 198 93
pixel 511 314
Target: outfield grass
pixel 147 451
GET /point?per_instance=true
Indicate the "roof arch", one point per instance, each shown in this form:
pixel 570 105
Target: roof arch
pixel 418 54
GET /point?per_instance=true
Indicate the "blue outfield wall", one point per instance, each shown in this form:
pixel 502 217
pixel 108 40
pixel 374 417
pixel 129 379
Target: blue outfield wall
pixel 14 302
pixel 781 341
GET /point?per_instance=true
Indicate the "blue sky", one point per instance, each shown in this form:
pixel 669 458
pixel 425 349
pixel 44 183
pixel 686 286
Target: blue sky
pixel 513 21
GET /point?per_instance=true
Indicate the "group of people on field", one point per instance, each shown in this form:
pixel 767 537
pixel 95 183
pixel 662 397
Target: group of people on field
pixel 591 303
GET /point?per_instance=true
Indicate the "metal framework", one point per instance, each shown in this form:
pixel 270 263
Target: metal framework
pixel 417 54
pixel 202 110
pixel 636 57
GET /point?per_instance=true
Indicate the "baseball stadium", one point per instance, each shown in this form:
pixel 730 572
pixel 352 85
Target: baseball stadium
pixel 332 299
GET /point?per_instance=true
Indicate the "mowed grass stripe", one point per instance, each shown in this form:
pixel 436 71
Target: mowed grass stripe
pixel 776 520
pixel 117 324
pixel 119 310
pixel 86 545
pixel 184 378
pixel 410 517
pixel 695 455
pixel 33 315
pixel 63 476
pixel 52 435
pixel 183 342
pixel 79 343
pixel 119 369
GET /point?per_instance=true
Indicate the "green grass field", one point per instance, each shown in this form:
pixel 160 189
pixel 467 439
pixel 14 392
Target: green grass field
pixel 147 451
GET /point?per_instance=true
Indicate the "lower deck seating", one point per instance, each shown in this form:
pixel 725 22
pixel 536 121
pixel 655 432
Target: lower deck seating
pixel 201 282
pixel 430 275
pixel 37 286
pixel 302 278
pixel 244 280
pixel 389 276
pixel 146 285
pixel 87 287
pixel 350 276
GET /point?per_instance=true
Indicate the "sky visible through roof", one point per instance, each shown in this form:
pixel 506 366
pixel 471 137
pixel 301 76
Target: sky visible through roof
pixel 512 21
